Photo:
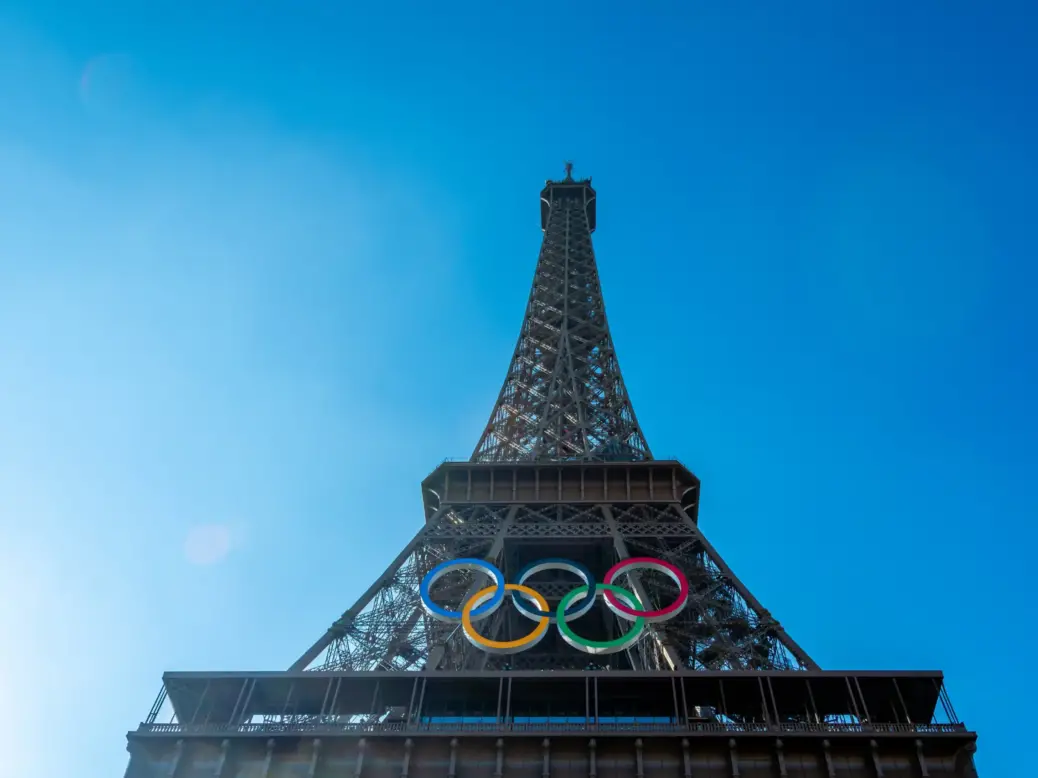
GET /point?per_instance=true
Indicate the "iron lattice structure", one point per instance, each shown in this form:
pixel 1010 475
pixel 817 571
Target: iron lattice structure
pixel 561 470
pixel 564 396
pixel 563 408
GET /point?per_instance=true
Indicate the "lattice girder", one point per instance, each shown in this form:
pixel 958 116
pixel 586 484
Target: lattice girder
pixel 722 627
pixel 561 468
pixel 564 396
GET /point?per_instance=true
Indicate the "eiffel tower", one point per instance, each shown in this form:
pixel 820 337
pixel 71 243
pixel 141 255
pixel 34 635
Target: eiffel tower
pixel 559 610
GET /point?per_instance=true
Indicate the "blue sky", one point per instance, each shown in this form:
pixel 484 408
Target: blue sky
pixel 262 268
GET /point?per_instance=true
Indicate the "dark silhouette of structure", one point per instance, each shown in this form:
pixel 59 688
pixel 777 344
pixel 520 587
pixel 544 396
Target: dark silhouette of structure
pixel 560 612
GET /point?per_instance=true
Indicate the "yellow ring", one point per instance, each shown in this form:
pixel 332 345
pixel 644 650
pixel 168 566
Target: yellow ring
pixel 504 645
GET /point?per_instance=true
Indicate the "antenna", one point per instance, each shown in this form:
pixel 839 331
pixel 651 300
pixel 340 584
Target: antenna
pixel 569 171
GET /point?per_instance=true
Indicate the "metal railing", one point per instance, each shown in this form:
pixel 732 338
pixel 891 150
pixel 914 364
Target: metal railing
pixel 506 462
pixel 476 727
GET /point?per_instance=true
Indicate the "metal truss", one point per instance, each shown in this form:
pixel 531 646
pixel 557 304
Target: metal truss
pixel 563 396
pixel 723 628
pixel 563 400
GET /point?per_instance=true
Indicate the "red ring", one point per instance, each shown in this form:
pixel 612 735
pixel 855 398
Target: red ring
pixel 657 615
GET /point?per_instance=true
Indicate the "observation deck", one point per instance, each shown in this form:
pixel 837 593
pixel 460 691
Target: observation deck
pixel 569 187
pixel 417 724
pixel 655 481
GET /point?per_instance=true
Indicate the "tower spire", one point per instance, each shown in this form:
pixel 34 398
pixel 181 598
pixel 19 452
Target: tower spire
pixel 563 396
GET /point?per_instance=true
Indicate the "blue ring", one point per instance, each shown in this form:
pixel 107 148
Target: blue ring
pixel 442 569
pixel 575 611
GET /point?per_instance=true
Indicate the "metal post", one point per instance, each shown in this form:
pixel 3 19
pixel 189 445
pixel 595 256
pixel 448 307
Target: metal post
pixel 201 699
pixel 412 713
pixel 674 694
pixel 500 694
pixel 156 706
pixel 374 697
pixel 421 701
pixel 328 691
pixel 811 696
pixel 864 706
pixel 587 702
pixel 596 703
pixel 764 701
pixel 288 699
pixel 684 700
pixel 248 699
pixel 774 700
pixel 335 698
pixel 854 703
pixel 508 706
pixel 897 689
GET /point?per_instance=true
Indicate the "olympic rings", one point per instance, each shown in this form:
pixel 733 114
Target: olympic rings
pixel 663 614
pixel 505 646
pixel 442 614
pixel 555 564
pixel 625 641
pixel 533 605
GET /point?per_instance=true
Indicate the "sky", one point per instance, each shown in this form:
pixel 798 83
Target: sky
pixel 262 267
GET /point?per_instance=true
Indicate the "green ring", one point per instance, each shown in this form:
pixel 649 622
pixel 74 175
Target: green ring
pixel 626 640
